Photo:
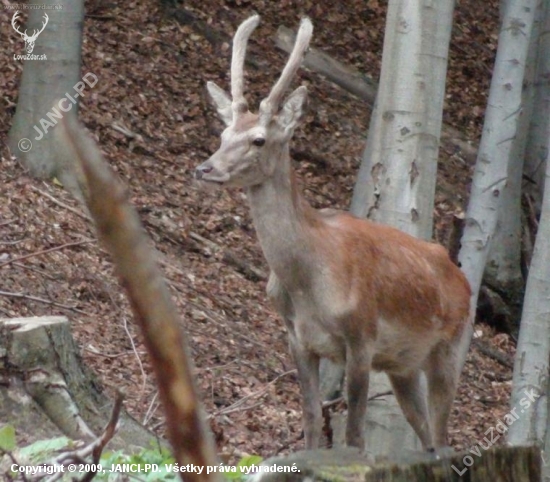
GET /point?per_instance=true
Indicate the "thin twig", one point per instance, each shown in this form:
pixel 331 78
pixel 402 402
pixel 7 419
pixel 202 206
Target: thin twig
pixel 9 221
pixel 143 374
pixel 44 251
pixel 42 300
pixel 95 448
pixel 233 407
pixel 208 314
pixel 493 353
pixel 127 132
pixel 150 410
pixel 332 403
pixel 36 270
pixel 62 204
pixel 336 401
pixel 15 462
pixel 13 243
pixel 243 409
pixel 110 429
pixel 380 395
pixel 108 355
pixel 250 271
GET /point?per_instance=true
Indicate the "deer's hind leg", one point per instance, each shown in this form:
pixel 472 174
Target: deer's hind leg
pixel 411 396
pixel 442 372
pixel 358 365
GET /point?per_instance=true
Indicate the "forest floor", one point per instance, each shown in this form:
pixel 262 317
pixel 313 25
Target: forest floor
pixel 152 72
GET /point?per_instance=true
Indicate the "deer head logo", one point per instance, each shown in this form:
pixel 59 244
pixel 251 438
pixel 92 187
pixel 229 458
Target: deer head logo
pixel 29 39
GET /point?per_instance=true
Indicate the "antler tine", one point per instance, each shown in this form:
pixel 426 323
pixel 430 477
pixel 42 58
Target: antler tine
pixel 14 24
pixel 271 103
pixel 237 63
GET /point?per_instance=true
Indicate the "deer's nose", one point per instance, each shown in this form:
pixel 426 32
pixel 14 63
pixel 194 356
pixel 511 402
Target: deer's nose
pixel 202 170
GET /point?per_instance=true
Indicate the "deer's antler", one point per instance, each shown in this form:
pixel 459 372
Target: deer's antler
pixel 270 104
pixel 239 104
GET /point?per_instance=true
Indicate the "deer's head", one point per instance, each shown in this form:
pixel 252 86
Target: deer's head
pixel 29 39
pixel 251 143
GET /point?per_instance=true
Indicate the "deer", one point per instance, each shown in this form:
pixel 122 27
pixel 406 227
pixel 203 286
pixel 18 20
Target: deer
pixel 364 295
pixel 29 39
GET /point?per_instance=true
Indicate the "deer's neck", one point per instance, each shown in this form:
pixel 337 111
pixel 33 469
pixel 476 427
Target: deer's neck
pixel 284 222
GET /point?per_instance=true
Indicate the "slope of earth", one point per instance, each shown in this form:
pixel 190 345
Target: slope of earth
pixel 150 115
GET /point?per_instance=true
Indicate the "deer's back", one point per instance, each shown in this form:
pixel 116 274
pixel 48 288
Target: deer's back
pixel 390 275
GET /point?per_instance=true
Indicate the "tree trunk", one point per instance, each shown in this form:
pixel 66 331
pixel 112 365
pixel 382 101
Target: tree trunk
pixel 503 275
pixel 46 390
pixel 533 349
pixel 500 132
pixel 536 153
pixel 46 81
pixel 396 182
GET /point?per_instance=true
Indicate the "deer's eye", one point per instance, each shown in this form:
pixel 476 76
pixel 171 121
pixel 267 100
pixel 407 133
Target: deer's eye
pixel 259 141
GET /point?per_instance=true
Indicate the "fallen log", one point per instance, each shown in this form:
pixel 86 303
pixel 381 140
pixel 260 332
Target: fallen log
pixel 349 79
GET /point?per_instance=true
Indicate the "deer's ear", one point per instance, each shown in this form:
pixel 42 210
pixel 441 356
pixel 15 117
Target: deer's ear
pixel 293 109
pixel 221 101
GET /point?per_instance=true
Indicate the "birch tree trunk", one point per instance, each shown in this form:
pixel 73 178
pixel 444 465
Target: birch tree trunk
pixel 530 382
pixel 500 132
pixel 46 81
pixel 503 274
pixel 536 153
pixel 396 182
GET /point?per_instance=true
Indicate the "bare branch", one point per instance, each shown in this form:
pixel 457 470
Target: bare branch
pixel 120 229
pixel 61 204
pixel 237 406
pixel 42 300
pixel 49 250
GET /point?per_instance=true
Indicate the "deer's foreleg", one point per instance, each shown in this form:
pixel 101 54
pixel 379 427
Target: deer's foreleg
pixel 358 361
pixel 308 374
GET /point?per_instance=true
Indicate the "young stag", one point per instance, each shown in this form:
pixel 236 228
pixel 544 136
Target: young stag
pixel 361 294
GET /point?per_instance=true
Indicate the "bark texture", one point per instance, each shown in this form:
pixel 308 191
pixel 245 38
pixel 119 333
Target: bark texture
pixel 536 154
pixel 533 349
pixel 503 274
pixel 500 132
pixel 119 228
pixel 46 391
pixel 396 182
pixel 44 82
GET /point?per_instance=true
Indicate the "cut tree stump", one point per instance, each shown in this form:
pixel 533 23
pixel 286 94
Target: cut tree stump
pixel 498 464
pixel 46 391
